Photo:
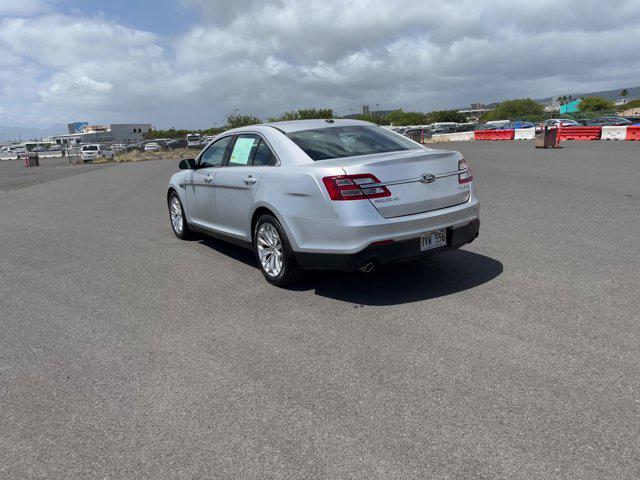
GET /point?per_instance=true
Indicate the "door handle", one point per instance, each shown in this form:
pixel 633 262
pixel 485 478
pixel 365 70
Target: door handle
pixel 249 180
pixel 208 179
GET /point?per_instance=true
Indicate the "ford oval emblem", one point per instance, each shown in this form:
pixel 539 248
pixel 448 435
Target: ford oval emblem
pixel 427 178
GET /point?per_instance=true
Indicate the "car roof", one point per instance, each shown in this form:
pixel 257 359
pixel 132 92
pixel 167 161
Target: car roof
pixel 298 125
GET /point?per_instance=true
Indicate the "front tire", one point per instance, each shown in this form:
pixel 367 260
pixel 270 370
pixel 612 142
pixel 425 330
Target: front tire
pixel 178 219
pixel 273 252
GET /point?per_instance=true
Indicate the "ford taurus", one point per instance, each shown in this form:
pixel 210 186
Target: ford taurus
pixel 325 194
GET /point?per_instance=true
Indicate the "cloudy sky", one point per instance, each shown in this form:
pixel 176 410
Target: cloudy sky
pixel 187 63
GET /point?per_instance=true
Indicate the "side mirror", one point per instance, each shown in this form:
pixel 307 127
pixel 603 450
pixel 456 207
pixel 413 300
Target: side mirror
pixel 188 164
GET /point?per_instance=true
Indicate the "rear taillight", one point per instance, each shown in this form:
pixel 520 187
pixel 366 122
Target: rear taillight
pixel 354 187
pixel 464 176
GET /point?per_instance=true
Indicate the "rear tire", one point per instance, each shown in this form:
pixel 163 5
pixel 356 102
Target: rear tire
pixel 273 252
pixel 177 217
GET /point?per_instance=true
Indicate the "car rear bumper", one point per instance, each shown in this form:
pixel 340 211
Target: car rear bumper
pixel 358 225
pixel 390 253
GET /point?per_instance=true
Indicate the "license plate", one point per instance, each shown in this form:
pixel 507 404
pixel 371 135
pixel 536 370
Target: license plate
pixel 435 239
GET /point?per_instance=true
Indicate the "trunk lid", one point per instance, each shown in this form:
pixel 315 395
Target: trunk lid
pixel 401 172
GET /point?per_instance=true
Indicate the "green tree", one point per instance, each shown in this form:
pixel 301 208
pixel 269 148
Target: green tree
pixel 304 114
pixel 315 113
pixel 596 104
pixel 624 93
pixel 447 116
pixel 398 117
pixel 519 109
pixel 235 120
pixel 286 116
pixel 378 119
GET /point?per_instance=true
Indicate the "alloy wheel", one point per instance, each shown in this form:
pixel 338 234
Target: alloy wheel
pixel 269 249
pixel 175 210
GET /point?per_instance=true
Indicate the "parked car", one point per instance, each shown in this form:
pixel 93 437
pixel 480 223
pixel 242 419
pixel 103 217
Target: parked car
pixel 194 140
pixel 177 143
pixel 608 122
pixel 444 129
pixel 466 127
pixel 89 153
pixel 139 146
pixel 495 124
pixel 152 147
pixel 325 194
pixel 417 134
pixel 560 122
pixel 17 149
pixel 635 120
pixel 517 125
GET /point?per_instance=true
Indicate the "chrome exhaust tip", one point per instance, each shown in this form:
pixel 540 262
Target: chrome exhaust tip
pixel 367 267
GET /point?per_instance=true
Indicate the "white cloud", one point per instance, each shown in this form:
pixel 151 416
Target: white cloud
pixel 264 57
pixel 22 7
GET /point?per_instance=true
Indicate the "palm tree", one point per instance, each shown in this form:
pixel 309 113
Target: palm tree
pixel 624 93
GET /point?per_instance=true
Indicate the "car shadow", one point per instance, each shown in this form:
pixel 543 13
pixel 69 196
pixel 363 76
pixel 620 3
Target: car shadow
pixel 432 277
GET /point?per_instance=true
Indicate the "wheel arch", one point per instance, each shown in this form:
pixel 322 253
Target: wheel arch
pixel 268 209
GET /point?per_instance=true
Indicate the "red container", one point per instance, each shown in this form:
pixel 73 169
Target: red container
pixel 580 133
pixel 633 134
pixel 494 134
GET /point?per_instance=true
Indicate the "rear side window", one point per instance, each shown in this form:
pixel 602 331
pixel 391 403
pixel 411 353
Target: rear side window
pixel 337 142
pixel 264 155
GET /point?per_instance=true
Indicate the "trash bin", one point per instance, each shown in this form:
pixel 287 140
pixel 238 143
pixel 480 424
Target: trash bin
pixel 30 159
pixel 547 137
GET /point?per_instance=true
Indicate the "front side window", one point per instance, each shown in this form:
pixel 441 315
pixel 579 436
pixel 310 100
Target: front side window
pixel 214 154
pixel 337 142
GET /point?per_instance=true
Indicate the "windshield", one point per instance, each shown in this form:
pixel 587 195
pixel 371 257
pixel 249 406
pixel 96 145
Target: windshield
pixel 89 148
pixel 193 137
pixel 337 142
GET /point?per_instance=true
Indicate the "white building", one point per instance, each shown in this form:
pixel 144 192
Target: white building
pixel 114 133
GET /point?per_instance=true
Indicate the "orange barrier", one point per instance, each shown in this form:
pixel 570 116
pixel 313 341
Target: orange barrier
pixel 493 134
pixel 633 133
pixel 580 133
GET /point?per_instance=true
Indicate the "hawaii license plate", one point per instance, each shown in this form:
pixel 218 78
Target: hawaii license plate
pixel 435 239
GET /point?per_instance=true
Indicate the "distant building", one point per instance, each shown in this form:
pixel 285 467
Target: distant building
pixel 630 112
pixel 475 112
pixel 114 133
pixel 76 127
pixel 365 110
pixel 571 107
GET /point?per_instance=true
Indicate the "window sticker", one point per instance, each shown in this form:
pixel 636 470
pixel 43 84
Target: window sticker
pixel 242 151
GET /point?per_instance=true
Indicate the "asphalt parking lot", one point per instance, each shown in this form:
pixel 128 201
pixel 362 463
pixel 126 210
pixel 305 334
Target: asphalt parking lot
pixel 14 175
pixel 126 353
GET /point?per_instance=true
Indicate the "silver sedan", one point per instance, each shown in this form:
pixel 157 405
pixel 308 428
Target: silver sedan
pixel 325 194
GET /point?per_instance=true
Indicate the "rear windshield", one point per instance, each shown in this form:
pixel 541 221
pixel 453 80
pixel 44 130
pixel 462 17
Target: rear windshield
pixel 337 142
pixel 89 147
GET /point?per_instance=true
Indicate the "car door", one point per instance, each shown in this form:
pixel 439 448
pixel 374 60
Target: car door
pixel 199 186
pixel 236 183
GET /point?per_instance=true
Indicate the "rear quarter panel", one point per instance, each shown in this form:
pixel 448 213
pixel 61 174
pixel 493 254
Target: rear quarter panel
pixel 294 192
